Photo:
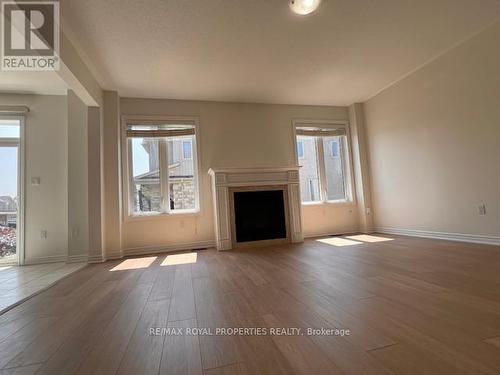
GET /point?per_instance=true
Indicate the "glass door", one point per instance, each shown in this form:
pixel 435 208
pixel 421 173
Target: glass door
pixel 10 191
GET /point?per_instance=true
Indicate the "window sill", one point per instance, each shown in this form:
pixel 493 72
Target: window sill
pixel 329 203
pixel 162 215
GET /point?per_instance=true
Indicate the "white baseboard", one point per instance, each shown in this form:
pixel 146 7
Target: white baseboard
pixel 95 259
pixel 120 254
pixel 472 238
pixel 113 255
pixel 76 258
pixel 45 259
pixel 169 248
pixel 329 233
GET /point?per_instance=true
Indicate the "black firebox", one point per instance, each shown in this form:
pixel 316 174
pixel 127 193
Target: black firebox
pixel 259 215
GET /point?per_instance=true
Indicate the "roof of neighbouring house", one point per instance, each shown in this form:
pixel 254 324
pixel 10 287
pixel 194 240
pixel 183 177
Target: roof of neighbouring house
pixel 153 176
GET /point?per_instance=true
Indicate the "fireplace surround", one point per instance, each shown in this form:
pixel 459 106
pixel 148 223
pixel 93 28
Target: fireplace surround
pixel 228 181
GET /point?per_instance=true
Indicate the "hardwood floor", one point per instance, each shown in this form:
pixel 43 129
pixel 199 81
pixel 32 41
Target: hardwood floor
pixel 19 283
pixel 412 306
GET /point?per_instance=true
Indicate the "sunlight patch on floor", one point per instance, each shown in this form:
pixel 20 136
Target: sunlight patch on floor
pixel 176 259
pixel 133 264
pixel 369 238
pixel 338 241
pixel 3 268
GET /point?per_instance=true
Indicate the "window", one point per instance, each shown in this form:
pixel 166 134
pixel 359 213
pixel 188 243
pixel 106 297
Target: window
pixel 309 171
pixel 146 187
pixel 300 149
pixel 187 151
pixel 335 148
pixel 10 189
pixel 335 169
pixel 324 160
pixel 162 168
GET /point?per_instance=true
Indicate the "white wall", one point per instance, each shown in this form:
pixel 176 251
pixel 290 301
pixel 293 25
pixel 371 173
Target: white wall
pixel 434 141
pixel 45 157
pixel 112 177
pixel 232 135
pixel 95 172
pixel 78 218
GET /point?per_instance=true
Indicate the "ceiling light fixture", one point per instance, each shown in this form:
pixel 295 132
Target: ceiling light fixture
pixel 304 7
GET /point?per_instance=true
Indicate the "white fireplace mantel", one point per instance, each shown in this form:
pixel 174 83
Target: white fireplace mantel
pixel 223 179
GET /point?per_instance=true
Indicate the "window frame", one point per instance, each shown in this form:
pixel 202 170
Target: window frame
pixel 20 143
pixel 345 150
pixel 126 167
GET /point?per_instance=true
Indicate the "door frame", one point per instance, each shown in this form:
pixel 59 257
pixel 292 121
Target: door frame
pixel 20 233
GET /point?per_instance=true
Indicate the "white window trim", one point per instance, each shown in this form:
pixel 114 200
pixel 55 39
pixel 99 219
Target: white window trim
pixel 346 155
pixel 126 162
pixel 20 142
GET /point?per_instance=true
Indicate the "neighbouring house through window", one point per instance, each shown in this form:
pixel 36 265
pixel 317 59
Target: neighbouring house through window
pixel 323 156
pixel 335 148
pixel 300 149
pixel 187 151
pixel 162 168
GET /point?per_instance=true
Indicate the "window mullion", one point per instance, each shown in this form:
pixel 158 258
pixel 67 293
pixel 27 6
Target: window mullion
pixel 322 169
pixel 165 206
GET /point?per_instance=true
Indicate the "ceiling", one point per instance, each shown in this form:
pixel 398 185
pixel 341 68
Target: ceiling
pixel 44 83
pixel 259 51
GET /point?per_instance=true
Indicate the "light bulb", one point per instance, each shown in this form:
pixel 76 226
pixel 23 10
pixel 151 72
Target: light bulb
pixel 304 7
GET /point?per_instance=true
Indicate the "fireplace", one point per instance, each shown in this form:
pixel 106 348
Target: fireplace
pixel 256 206
pixel 259 214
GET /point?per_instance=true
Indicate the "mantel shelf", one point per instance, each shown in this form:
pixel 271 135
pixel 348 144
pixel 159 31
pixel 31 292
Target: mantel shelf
pixel 212 171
